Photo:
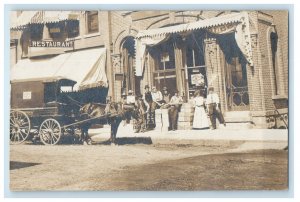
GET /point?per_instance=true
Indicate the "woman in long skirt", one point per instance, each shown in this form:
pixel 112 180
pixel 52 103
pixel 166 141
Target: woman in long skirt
pixel 200 117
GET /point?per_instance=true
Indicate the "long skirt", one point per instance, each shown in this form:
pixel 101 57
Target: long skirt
pixel 200 118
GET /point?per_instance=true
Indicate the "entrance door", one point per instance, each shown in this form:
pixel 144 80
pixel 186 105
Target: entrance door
pixel 236 85
pixel 130 82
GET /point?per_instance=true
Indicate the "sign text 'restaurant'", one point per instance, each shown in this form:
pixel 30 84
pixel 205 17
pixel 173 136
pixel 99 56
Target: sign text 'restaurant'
pixel 62 44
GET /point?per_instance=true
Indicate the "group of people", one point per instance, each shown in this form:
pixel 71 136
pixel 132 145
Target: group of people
pixel 154 99
pixel 204 108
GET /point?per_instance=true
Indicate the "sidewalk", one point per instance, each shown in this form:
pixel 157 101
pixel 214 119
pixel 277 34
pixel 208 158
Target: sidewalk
pixel 267 138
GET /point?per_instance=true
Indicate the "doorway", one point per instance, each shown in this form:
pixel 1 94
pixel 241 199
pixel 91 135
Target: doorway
pixel 236 83
pixel 130 82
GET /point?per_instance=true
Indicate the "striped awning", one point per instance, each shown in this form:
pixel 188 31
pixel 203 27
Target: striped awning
pixel 239 25
pixel 86 67
pixel 201 24
pixel 26 18
pixel 40 17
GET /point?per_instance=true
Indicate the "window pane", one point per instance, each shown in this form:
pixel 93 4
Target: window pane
pixel 92 21
pixel 189 57
pixel 199 57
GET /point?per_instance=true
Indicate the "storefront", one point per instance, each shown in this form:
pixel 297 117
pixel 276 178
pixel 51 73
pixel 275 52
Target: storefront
pixel 214 52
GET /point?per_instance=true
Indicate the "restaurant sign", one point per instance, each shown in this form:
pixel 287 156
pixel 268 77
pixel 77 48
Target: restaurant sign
pixel 52 44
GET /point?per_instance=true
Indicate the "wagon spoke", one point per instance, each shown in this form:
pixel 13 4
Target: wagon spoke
pixel 19 127
pixel 21 134
pixel 13 134
pixel 12 120
pixel 50 131
pixel 24 123
pixel 54 137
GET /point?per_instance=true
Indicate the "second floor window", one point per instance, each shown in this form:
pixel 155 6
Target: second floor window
pixel 92 22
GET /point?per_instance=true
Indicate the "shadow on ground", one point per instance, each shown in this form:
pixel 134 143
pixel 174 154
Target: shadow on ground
pixel 128 141
pixel 17 165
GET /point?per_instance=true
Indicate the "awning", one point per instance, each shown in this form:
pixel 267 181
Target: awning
pixel 241 29
pixel 207 23
pixel 26 17
pixel 86 67
pixel 41 17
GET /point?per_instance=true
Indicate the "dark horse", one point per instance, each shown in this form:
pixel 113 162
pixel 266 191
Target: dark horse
pixel 112 113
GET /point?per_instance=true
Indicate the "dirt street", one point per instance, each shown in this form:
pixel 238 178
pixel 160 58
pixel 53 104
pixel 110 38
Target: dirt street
pixel 144 167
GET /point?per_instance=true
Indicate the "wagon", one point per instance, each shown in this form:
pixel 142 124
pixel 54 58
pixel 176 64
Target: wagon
pixel 44 107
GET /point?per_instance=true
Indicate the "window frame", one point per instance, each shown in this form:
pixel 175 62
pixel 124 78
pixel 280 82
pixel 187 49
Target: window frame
pixel 87 16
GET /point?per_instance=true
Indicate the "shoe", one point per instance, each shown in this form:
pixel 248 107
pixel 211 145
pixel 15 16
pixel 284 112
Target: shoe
pixel 224 124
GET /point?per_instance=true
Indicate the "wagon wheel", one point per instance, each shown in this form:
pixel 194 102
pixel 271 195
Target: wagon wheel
pixel 50 132
pixel 19 127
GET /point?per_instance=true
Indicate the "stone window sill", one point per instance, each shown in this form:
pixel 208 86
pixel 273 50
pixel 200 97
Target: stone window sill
pixel 279 97
pixel 91 35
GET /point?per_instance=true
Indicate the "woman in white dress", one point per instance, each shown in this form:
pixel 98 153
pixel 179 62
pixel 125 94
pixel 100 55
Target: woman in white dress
pixel 200 117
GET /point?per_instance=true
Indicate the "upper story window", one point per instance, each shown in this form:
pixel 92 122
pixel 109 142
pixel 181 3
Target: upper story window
pixel 92 22
pixel 164 56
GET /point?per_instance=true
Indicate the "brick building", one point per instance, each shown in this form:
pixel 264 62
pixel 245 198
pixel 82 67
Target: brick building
pixel 243 55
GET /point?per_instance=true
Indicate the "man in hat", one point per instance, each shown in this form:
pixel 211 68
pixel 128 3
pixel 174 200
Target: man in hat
pixel 143 108
pixel 130 99
pixel 157 98
pixel 147 95
pixel 175 103
pixel 214 108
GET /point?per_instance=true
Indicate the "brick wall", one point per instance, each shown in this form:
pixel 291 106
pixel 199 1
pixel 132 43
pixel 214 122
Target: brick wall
pixel 280 20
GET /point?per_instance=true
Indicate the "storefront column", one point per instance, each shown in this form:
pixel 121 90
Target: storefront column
pixel 107 36
pixel 179 68
pixel 116 66
pixel 214 68
pixel 254 77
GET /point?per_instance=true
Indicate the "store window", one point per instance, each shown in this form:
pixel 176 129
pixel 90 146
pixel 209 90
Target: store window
pixel 195 62
pixel 164 73
pixel 92 22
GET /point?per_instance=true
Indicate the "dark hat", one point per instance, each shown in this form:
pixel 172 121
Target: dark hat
pixel 147 86
pixel 165 88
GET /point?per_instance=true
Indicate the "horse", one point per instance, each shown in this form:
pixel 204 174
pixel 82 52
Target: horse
pixel 111 113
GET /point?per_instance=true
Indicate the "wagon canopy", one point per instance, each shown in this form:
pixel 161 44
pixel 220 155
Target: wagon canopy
pixel 86 67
